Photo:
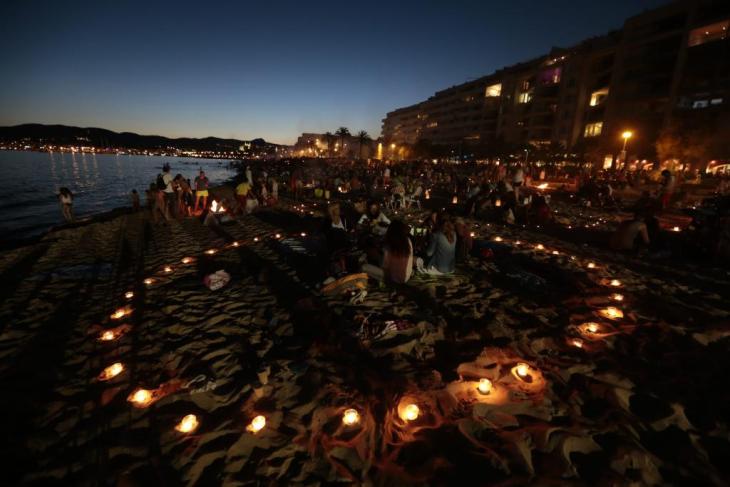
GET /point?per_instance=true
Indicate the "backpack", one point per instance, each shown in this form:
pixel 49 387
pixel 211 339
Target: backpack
pixel 161 182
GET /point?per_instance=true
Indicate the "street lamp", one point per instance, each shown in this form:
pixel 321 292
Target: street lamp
pixel 626 135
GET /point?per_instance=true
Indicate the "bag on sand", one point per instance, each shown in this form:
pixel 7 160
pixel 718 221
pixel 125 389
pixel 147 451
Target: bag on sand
pixel 216 280
pixel 352 282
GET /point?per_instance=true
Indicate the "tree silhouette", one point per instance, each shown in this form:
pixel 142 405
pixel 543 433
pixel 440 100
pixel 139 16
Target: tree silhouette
pixel 362 138
pixel 342 132
pixel 330 138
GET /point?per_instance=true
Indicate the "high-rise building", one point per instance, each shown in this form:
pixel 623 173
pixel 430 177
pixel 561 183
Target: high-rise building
pixel 664 75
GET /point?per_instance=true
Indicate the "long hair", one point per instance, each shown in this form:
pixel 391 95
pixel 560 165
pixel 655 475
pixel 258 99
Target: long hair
pixel 447 228
pixel 396 239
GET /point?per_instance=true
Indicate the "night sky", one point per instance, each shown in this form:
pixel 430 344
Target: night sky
pixel 265 69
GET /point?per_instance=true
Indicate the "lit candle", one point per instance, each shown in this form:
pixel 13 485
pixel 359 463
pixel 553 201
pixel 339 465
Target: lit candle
pixel 188 424
pixel 617 297
pixel 257 424
pixel 577 342
pixel 540 247
pixel 303 234
pixel 498 239
pixel 278 236
pixel 168 269
pixel 555 252
pixel 591 265
pixel 612 312
pixel 120 313
pixel 485 386
pixel 454 200
pixel 523 370
pixel 129 295
pixel 107 336
pixel 592 327
pixel 411 412
pixel 211 251
pixel 140 397
pixel 518 242
pixel 675 229
pixel 350 417
pixel 498 203
pixel 187 260
pixel 112 371
pixel 615 283
pixel 149 281
pixel 472 234
pixel 235 244
pixel 255 239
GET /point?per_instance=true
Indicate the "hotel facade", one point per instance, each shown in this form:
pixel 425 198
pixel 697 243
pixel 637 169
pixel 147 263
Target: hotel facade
pixel 664 77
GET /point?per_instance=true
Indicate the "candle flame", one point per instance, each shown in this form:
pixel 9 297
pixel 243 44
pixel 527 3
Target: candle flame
pixel 555 252
pixel 498 238
pixel 255 239
pixel 542 186
pixel 257 424
pixel 540 247
pixel 278 236
pixel 676 229
pixel 107 336
pixel 454 200
pixel 187 260
pixel 485 386
pixel 120 313
pixel 168 269
pixel 592 327
pixel 188 424
pixel 303 234
pixel 591 265
pixel 129 295
pixel 577 342
pixel 211 251
pixel 235 244
pixel 112 371
pixel 617 297
pixel 612 312
pixel 472 234
pixel 149 281
pixel 141 397
pixel 411 412
pixel 522 369
pixel 350 417
pixel 615 283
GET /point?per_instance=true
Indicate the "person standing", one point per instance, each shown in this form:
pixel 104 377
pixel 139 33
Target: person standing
pixel 249 175
pixel 242 194
pixel 201 191
pixel 667 188
pixel 66 198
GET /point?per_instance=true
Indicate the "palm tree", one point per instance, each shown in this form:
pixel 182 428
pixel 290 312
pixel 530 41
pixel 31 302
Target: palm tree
pixel 362 138
pixel 342 132
pixel 329 138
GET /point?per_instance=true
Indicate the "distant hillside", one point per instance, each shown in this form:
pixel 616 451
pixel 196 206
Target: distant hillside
pixel 90 136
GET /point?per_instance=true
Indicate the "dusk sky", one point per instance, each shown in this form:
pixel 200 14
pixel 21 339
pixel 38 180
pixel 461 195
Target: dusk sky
pixel 265 69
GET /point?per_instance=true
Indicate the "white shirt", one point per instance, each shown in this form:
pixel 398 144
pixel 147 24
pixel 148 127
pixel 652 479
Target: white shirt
pixel 167 179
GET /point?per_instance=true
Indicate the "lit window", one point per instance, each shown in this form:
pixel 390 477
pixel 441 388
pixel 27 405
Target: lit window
pixel 526 85
pixel 598 97
pixel 593 129
pixel 709 33
pixel 524 97
pixel 493 91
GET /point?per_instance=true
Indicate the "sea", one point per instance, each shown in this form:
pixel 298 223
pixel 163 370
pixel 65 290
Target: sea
pixel 99 182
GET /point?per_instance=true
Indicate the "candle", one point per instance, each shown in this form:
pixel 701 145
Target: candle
pixel 485 386
pixel 120 313
pixel 168 269
pixel 498 238
pixel 428 194
pixel 615 283
pixel 411 412
pixel 612 313
pixel 617 297
pixel 211 251
pixel 591 265
pixel 577 342
pixel 235 244
pixel 278 236
pixel 675 229
pixel 523 370
pixel 540 247
pixel 498 203
pixel 303 234
pixel 107 336
pixel 187 260
pixel 140 397
pixel 555 252
pixel 472 234
pixel 592 327
pixel 129 295
pixel 255 239
pixel 112 371
pixel 454 200
pixel 518 242
pixel 257 424
pixel 350 417
pixel 149 281
pixel 188 424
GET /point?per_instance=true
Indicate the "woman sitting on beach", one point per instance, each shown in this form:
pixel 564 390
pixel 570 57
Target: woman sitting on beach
pixel 66 198
pixel 376 218
pixel 397 256
pixel 441 251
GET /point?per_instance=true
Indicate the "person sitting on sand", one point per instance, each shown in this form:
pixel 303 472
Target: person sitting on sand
pixel 441 250
pixel 201 191
pixel 625 236
pixel 66 198
pixel 397 256
pixel 376 218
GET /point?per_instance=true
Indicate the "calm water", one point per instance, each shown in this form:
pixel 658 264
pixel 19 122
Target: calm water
pixel 99 182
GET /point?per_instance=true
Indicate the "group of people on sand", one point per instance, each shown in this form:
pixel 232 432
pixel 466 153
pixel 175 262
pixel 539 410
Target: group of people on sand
pixel 252 194
pixel 171 197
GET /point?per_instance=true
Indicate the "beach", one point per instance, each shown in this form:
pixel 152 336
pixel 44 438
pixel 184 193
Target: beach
pixel 639 399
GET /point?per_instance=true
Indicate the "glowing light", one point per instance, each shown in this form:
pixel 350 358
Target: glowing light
pixel 140 397
pixel 627 134
pixel 120 313
pixel 498 238
pixel 129 295
pixel 540 247
pixel 617 297
pixel 112 371
pixel 149 281
pixel 612 313
pixel 277 236
pixel 498 203
pixel 257 424
pixel 485 386
pixel 523 370
pixel 350 417
pixel 518 242
pixel 303 234
pixel 615 283
pixel 167 269
pixel 107 336
pixel 542 186
pixel 255 239
pixel 411 412
pixel 188 424
pixel 676 229
pixel 235 244
pixel 591 327
pixel 187 260
pixel 555 252
pixel 472 234
pixel 577 342
pixel 211 251
pixel 591 265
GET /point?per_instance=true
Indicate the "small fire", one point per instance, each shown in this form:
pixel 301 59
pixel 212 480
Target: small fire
pixel 522 369
pixel 216 208
pixel 577 342
pixel 498 203
pixel 257 424
pixel 350 417
pixel 141 398
pixel 428 194
pixel 676 229
pixel 188 424
pixel 120 313
pixel 485 386
pixel 277 236
pixel 303 234
pixel 518 242
pixel 112 371
pixel 255 239
pixel 235 244
pixel 555 252
pixel 591 327
pixel 411 412
pixel 472 234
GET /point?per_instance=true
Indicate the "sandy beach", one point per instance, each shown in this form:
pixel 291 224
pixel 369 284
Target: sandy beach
pixel 640 399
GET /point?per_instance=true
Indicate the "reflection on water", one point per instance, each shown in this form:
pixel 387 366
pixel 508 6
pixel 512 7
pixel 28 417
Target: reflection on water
pixel 28 204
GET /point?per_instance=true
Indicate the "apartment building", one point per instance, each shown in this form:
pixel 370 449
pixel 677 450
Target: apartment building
pixel 664 72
